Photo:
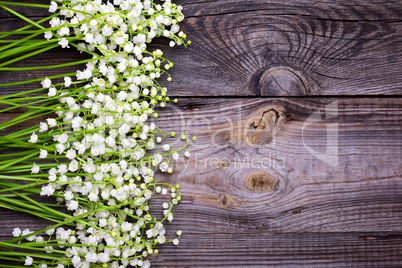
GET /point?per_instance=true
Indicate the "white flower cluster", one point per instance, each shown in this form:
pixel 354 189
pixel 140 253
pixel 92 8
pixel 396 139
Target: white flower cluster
pixel 101 247
pixel 102 130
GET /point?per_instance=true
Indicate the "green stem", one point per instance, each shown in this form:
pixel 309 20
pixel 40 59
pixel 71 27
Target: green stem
pixel 2 3
pixel 33 80
pixel 37 255
pixel 33 248
pixel 26 187
pixel 22 4
pixel 46 48
pixel 21 30
pixel 46 67
pixel 13 162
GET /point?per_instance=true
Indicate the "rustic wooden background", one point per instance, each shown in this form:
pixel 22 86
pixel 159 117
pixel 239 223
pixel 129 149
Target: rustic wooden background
pixel 254 195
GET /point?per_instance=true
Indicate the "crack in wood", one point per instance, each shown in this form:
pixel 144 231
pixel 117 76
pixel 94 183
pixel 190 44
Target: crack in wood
pixel 282 81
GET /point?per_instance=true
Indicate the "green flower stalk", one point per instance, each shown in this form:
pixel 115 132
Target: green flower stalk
pixel 96 153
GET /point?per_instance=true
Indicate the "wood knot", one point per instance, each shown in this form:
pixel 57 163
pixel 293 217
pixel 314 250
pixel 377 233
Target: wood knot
pixel 261 182
pixel 260 128
pixel 288 116
pixel 282 81
pixel 225 200
pixel 221 164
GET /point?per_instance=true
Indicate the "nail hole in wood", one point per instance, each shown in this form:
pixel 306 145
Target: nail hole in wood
pixel 288 116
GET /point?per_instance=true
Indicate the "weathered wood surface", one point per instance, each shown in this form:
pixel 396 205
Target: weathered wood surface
pixel 255 196
pixel 269 48
pixel 265 179
pixel 258 190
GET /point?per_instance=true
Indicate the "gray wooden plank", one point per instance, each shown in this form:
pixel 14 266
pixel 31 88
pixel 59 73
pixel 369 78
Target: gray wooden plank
pixel 259 249
pixel 266 179
pixel 254 196
pixel 278 250
pixel 258 164
pixel 291 48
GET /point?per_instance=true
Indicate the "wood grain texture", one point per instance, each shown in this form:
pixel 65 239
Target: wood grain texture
pixel 294 47
pixel 264 178
pixel 259 249
pixel 254 196
pixel 285 48
pixel 274 182
pixel 278 250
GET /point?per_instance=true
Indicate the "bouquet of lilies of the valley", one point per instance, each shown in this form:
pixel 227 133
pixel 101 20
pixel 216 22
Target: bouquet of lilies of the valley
pixel 96 152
